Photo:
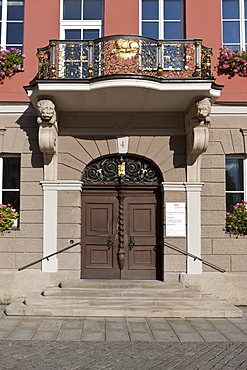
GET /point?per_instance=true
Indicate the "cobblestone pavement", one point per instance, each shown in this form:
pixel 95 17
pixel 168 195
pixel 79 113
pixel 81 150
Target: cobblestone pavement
pixel 121 355
pixel 122 343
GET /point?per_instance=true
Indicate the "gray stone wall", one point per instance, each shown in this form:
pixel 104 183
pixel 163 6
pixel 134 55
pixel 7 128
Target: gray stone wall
pixel 218 247
pixel 20 247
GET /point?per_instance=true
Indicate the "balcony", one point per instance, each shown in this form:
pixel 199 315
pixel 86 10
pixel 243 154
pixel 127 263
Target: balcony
pixel 124 73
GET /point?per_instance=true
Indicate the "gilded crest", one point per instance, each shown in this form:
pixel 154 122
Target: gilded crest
pixel 125 49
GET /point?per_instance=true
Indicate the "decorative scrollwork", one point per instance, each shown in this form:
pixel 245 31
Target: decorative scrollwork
pixel 121 169
pixel 87 59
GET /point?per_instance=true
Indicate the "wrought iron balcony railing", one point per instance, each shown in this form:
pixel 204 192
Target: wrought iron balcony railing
pixel 125 54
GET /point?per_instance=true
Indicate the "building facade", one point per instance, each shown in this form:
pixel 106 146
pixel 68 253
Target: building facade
pixel 119 134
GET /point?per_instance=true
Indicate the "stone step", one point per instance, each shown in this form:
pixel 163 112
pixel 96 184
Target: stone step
pixel 88 292
pixel 120 284
pixel 18 308
pixel 39 300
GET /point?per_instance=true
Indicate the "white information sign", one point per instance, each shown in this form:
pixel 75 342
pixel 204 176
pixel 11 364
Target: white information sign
pixel 175 219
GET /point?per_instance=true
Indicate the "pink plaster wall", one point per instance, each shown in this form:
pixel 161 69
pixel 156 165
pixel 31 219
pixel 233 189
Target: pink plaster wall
pixel 121 17
pixel 41 23
pixel 203 20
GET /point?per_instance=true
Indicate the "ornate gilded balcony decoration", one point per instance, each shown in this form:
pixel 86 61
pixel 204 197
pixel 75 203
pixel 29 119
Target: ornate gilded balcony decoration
pixel 113 55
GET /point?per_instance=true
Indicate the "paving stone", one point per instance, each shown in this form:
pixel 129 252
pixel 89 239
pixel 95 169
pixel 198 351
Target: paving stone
pixel 45 335
pixel 4 334
pixel 230 331
pixel 8 324
pixel 117 335
pixel 31 323
pixel 165 336
pixel 94 324
pixel 69 334
pixel 21 334
pixel 141 336
pixel 73 323
pixel 50 325
pixel 92 336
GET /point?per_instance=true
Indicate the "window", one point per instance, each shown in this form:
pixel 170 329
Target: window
pixel 11 24
pixel 236 180
pixel 162 19
pixel 81 19
pixel 10 181
pixel 234 17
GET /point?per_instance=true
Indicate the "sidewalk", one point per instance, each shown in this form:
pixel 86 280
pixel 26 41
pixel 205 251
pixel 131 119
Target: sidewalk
pixel 115 329
pixel 100 343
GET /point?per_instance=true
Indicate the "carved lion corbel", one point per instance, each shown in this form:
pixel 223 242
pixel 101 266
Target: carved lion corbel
pixel 197 120
pixel 47 120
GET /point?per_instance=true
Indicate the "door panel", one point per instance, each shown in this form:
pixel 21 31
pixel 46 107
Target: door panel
pixel 99 220
pixel 100 212
pixel 140 224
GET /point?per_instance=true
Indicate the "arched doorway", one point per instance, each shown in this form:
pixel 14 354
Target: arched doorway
pixel 121 219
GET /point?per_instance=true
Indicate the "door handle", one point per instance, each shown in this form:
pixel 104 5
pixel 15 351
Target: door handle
pixel 110 241
pixel 131 242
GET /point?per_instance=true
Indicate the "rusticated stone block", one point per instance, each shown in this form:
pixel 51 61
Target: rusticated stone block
pixel 230 245
pixel 214 147
pixel 213 161
pixel 65 172
pixel 133 144
pixel 90 147
pixel 69 231
pixel 174 263
pixel 239 263
pixel 211 203
pixel 23 259
pixel 7 261
pixel 31 203
pixel 69 261
pixel 144 143
pixel 156 145
pixel 223 262
pixel 69 198
pixel 102 146
pixel 69 215
pixel 206 246
pixel 12 245
pixel 213 217
pixel 224 137
pixel 213 189
pixel 34 245
pixel 213 175
pixel 29 217
pixel 211 231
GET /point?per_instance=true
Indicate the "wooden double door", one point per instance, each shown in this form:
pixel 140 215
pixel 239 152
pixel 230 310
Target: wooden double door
pixel 120 234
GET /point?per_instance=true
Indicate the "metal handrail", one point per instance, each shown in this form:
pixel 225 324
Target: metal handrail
pixel 50 255
pixel 193 256
pixel 165 243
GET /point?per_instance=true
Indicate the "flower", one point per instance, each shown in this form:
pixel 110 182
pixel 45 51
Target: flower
pixel 236 220
pixel 10 62
pixel 232 62
pixel 7 217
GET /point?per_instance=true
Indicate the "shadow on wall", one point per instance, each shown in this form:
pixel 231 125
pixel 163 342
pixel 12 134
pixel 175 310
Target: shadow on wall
pixel 178 146
pixel 28 123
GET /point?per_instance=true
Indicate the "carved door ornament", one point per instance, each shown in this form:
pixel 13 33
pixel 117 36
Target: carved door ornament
pixel 121 170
